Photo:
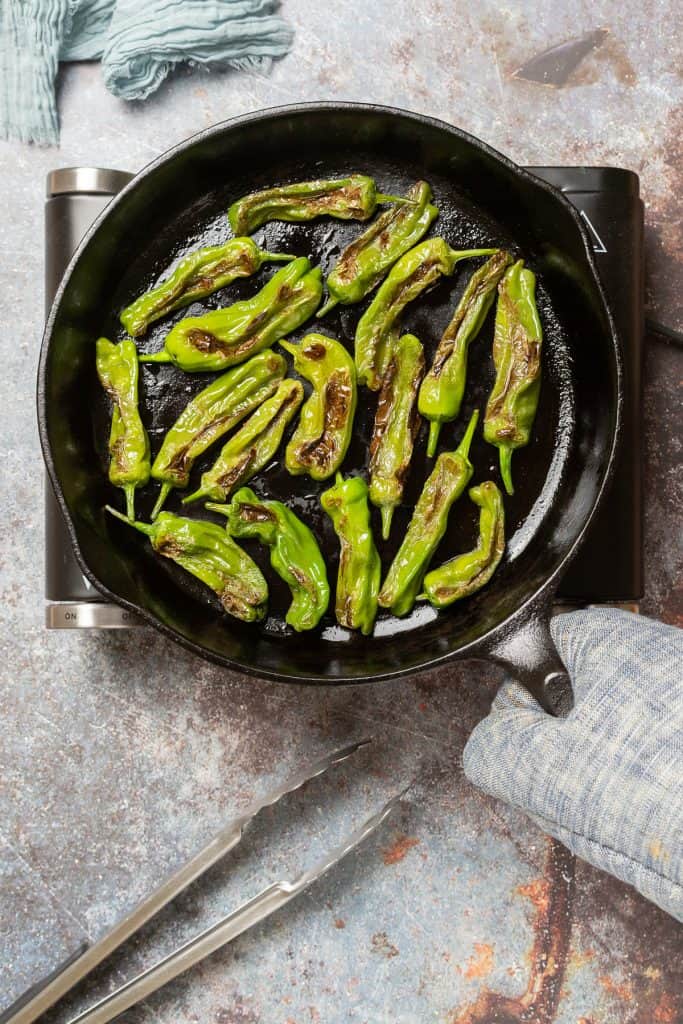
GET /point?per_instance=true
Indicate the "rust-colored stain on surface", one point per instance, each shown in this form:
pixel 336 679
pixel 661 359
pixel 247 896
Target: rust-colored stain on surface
pixel 552 897
pixel 340 923
pixel 665 1012
pixel 622 990
pixel 398 849
pixel 382 946
pixel 480 964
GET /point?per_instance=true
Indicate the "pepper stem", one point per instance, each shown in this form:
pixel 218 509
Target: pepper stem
pixel 434 431
pixel 166 489
pixel 463 448
pixel 155 357
pixel 330 304
pixel 195 496
pixel 468 254
pixel 382 197
pixel 129 491
pixel 142 527
pixel 387 516
pixel 215 506
pixel 506 467
pixel 276 257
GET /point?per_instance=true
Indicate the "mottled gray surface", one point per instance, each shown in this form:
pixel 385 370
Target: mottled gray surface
pixel 120 753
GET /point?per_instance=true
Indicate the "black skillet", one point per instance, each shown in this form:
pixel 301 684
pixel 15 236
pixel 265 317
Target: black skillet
pixel 484 199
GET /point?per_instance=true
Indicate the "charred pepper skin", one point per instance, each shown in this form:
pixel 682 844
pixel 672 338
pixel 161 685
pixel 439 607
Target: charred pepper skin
pixel 415 272
pixel 253 446
pixel 199 274
pixel 396 425
pixel 118 370
pixel 444 386
pixel 360 569
pixel 224 337
pixel 208 553
pixel 369 257
pixel 449 478
pixel 294 552
pixel 517 341
pixel 210 415
pixel 467 573
pixel 323 434
pixel 352 198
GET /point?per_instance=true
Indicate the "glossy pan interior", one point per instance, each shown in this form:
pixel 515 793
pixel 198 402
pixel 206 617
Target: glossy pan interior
pixel 179 202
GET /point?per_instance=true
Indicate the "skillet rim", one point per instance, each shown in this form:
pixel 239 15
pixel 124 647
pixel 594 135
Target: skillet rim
pixel 535 605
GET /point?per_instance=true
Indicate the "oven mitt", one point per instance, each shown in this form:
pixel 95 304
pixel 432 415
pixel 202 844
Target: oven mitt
pixel 607 781
pixel 138 41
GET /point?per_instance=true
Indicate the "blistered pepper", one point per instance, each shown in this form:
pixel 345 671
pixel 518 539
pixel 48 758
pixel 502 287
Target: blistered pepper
pixel 210 415
pixel 469 572
pixel 129 466
pixel 517 339
pixel 253 446
pixel 323 434
pixel 199 274
pixel 443 387
pixel 352 198
pixel 369 257
pixel 396 425
pixel 208 553
pixel 449 478
pixel 417 270
pixel 294 552
pixel 360 569
pixel 227 336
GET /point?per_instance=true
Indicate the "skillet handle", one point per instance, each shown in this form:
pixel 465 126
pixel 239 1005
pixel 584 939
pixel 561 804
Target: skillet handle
pixel 528 652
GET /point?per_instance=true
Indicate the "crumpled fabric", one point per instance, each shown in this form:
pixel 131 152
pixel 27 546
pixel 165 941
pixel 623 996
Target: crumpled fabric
pixel 138 44
pixel 607 781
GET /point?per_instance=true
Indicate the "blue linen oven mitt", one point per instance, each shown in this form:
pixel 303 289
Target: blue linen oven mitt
pixel 607 781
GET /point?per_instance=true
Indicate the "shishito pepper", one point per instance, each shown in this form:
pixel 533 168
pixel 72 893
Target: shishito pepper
pixel 294 552
pixel 417 270
pixel 200 273
pixel 207 552
pixel 322 436
pixel 449 478
pixel 469 572
pixel 210 415
pixel 253 446
pixel 117 368
pixel 517 339
pixel 364 263
pixel 227 336
pixel 443 387
pixel 352 198
pixel 360 569
pixel 396 425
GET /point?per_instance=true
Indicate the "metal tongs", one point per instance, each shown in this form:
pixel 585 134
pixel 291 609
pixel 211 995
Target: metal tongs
pixel 45 993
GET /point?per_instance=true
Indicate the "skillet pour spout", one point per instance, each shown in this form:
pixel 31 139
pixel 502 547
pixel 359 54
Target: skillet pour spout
pixel 484 200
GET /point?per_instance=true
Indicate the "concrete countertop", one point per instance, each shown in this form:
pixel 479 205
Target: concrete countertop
pixel 120 753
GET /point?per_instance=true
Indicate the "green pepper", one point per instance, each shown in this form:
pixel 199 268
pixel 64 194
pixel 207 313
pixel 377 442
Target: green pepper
pixel 449 478
pixel 207 552
pixel 210 415
pixel 322 437
pixel 129 466
pixel 417 270
pixel 200 273
pixel 443 387
pixel 360 569
pixel 396 425
pixel 517 339
pixel 227 336
pixel 294 552
pixel 469 572
pixel 253 446
pixel 352 198
pixel 364 263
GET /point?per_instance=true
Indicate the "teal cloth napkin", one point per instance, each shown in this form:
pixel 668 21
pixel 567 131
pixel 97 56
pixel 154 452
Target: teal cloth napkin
pixel 137 42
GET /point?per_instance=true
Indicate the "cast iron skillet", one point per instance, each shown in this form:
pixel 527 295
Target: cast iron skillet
pixel 179 202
